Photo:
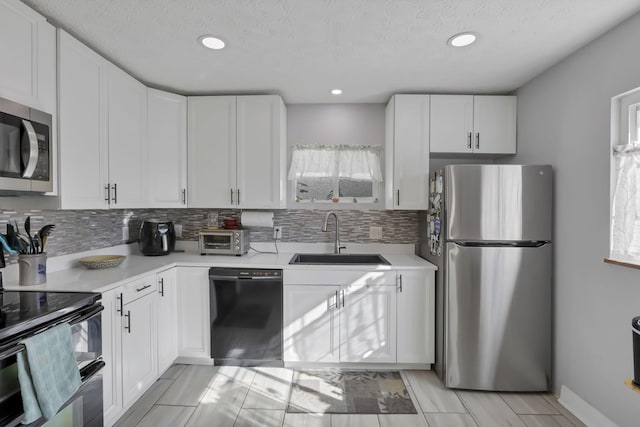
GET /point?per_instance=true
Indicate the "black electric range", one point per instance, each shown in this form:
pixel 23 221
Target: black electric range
pixel 24 311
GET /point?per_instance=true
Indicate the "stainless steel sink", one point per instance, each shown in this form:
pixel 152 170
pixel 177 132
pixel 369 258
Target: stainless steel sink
pixel 319 259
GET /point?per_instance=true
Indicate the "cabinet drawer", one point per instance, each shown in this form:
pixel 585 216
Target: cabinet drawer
pixel 138 288
pixel 339 277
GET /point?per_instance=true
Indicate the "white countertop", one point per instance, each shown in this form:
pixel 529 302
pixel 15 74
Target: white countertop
pixel 79 279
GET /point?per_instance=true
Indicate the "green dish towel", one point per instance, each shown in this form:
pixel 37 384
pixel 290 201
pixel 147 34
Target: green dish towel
pixel 47 372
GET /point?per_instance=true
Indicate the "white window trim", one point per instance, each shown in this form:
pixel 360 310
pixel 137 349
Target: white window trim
pixel 357 203
pixel 619 136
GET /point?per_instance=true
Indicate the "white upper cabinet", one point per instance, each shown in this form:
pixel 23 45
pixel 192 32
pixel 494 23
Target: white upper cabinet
pixel 103 146
pixel 237 152
pixel 473 124
pixel 261 152
pixel 84 151
pixel 167 149
pixel 212 151
pixel 28 47
pixel 127 100
pixel 407 152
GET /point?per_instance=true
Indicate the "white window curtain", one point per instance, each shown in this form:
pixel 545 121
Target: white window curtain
pixel 625 230
pixel 357 162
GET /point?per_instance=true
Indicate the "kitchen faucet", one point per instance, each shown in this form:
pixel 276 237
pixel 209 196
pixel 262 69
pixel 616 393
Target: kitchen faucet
pixel 336 246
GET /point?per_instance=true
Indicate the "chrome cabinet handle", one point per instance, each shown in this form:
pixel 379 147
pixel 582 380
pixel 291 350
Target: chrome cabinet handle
pixel 330 301
pixel 398 197
pixel 108 188
pixel 115 194
pixel 231 190
pixel 469 141
pixel 162 286
pixel 400 282
pixel 342 294
pixel 184 196
pixel 119 310
pixel 478 140
pixel 238 193
pixel 128 316
pixel 32 160
pixel 143 288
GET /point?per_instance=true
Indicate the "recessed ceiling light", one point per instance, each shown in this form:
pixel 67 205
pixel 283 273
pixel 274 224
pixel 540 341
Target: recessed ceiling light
pixel 212 42
pixel 462 39
pixel 336 91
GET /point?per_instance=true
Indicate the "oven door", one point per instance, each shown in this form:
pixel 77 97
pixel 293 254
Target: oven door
pixel 216 243
pixel 84 408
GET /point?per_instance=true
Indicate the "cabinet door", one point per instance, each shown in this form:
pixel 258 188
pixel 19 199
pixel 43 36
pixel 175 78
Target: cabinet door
pixel 368 324
pixel 139 348
pixel 212 151
pixel 167 149
pixel 19 50
pixel 409 146
pixel 451 124
pixel 167 319
pixel 416 316
pixel 311 323
pixel 84 156
pixel 193 313
pixel 112 371
pixel 494 123
pixel 127 140
pixel 261 152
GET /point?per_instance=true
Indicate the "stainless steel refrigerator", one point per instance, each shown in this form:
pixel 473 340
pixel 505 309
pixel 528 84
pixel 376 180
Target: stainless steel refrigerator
pixel 488 229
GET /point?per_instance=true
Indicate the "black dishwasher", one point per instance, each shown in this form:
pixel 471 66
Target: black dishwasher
pixel 246 316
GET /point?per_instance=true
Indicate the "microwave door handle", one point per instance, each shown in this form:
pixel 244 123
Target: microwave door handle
pixel 33 150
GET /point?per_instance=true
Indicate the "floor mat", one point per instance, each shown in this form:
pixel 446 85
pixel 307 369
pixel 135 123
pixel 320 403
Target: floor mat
pixel 349 392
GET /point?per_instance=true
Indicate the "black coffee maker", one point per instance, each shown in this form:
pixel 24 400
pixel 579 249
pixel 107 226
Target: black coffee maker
pixel 156 237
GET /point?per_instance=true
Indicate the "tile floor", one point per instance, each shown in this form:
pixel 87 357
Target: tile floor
pixel 189 395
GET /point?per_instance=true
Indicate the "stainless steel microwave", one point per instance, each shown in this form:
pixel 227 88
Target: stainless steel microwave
pixel 25 149
pixel 224 242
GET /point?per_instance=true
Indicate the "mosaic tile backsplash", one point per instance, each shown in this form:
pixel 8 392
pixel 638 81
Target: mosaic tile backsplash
pixel 83 230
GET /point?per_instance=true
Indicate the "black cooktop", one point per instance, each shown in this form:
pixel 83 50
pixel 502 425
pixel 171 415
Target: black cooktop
pixel 22 311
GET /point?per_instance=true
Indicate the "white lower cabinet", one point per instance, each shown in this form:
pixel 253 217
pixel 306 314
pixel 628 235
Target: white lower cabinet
pixel 368 324
pixel 167 282
pixel 111 345
pixel 416 317
pixel 379 317
pixel 129 346
pixel 339 316
pixel 311 323
pixel 193 314
pixel 139 348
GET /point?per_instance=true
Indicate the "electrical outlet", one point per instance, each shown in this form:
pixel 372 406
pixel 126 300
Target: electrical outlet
pixel 277 232
pixel 177 228
pixel 375 233
pixel 125 233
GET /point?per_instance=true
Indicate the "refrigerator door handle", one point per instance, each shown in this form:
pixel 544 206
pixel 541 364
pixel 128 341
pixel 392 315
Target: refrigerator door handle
pixel 514 244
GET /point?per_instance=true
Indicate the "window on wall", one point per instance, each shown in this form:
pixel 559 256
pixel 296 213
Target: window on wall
pixel 335 173
pixel 625 178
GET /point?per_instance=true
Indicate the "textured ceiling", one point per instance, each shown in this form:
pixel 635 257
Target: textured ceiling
pixel 301 49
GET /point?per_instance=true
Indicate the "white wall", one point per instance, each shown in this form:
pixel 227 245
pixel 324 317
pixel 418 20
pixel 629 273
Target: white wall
pixel 564 120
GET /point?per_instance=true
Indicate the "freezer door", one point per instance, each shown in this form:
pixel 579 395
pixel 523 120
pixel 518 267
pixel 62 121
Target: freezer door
pixel 498 318
pixel 498 202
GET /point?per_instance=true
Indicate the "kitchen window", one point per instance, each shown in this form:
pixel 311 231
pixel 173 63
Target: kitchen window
pixel 625 179
pixel 335 173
